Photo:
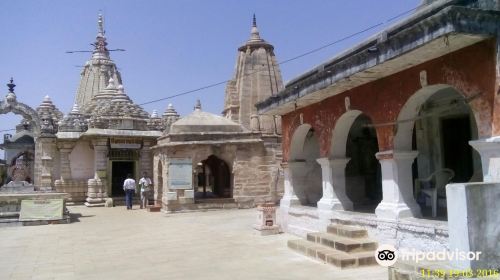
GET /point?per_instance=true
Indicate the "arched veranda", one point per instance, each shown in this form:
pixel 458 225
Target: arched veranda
pixel 437 122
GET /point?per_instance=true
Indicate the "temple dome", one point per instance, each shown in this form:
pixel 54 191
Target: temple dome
pixel 199 121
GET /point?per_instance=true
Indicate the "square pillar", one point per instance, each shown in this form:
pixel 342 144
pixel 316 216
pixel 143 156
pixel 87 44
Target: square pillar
pixel 333 177
pixel 96 193
pixel 146 158
pixel 45 152
pixel 472 226
pixel 289 198
pixel 489 150
pixel 397 186
pixel 65 149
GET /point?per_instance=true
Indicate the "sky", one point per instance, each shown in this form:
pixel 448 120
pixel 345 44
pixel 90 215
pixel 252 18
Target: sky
pixel 171 46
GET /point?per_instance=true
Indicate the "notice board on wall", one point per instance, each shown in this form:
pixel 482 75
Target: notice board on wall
pixel 180 174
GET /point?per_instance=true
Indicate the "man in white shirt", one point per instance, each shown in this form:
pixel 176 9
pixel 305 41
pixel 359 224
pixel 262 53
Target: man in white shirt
pixel 129 188
pixel 146 188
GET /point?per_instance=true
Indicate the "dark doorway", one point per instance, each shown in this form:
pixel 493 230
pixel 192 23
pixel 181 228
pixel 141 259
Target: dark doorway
pixel 119 171
pixel 363 173
pixel 214 181
pixel 456 134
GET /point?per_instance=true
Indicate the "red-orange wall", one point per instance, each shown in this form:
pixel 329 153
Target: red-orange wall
pixel 470 70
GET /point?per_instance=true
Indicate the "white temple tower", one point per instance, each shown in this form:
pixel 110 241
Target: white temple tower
pixel 98 70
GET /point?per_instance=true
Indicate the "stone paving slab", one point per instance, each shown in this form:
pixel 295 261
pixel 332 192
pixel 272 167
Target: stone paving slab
pixel 113 243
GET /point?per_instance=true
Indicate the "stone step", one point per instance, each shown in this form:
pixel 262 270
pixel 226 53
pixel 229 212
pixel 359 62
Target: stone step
pixel 332 256
pixel 342 243
pixel 120 201
pixel 347 231
pixel 216 203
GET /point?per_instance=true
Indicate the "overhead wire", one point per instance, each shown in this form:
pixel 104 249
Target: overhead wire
pixel 282 62
pixel 290 59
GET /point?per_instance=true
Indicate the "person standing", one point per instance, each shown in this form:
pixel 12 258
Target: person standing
pixel 145 183
pixel 129 188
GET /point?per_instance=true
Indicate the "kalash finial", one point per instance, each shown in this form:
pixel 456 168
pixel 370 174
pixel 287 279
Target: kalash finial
pixel 100 24
pixel 11 85
pixel 197 106
pixel 254 34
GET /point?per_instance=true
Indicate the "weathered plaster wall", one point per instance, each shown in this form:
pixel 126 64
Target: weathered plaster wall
pixel 470 70
pixel 82 161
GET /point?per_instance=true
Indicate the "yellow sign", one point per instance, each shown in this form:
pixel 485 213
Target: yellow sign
pixel 41 209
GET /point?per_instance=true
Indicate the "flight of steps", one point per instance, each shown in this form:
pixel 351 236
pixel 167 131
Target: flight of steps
pixel 343 246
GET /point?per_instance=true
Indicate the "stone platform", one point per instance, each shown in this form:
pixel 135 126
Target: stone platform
pixel 10 206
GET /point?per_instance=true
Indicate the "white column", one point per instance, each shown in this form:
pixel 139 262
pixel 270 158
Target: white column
pixel 334 196
pixel 289 198
pixel 397 186
pixel 489 150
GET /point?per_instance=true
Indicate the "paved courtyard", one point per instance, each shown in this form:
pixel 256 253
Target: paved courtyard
pixel 112 243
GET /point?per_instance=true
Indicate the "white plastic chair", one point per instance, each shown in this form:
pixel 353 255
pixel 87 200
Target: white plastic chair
pixel 438 181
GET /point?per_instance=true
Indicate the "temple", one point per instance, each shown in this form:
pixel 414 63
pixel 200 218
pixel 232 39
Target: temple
pixel 88 152
pixel 235 157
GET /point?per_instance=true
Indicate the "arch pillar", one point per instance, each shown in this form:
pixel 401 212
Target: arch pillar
pixel 289 198
pixel 333 174
pixel 489 150
pixel 397 187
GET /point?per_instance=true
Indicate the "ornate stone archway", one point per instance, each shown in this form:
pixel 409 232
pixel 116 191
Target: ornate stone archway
pixel 42 177
pixel 10 105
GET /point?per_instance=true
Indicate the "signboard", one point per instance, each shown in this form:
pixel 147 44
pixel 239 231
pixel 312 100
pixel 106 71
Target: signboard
pixel 125 143
pixel 180 174
pixel 41 209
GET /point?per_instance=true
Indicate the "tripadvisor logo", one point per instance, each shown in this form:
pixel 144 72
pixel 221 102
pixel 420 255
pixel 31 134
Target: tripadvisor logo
pixel 387 255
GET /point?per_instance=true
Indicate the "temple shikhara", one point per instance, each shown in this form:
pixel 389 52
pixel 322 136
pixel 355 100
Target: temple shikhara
pixel 394 141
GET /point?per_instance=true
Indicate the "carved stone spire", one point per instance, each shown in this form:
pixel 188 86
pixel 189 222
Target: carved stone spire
pixel 169 117
pixel 100 44
pixel 257 77
pixel 98 70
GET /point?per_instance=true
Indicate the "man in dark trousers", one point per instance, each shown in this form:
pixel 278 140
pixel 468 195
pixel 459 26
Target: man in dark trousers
pixel 129 188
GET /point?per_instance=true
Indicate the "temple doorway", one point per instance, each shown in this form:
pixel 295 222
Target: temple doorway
pixel 119 172
pixel 213 179
pixel 362 172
